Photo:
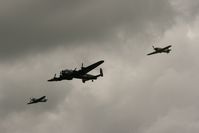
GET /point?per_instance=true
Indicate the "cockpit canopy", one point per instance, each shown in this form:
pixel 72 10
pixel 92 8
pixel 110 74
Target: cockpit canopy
pixel 157 49
pixel 66 71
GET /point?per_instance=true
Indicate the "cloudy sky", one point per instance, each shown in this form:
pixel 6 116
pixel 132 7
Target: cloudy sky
pixel 138 93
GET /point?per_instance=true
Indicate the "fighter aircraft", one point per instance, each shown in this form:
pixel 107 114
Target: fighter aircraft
pixel 160 50
pixel 37 100
pixel 79 74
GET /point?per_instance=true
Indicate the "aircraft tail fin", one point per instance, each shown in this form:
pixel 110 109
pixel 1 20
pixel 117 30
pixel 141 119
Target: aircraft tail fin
pixel 101 72
pixel 82 67
pixel 168 51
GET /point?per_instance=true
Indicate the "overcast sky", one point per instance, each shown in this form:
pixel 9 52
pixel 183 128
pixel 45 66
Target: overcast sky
pixel 138 93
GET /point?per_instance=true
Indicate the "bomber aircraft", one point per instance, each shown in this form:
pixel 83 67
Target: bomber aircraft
pixel 161 50
pixel 37 100
pixel 79 74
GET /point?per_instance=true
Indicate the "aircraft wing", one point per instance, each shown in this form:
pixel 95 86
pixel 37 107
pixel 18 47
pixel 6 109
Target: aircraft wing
pixel 155 52
pixel 167 47
pixel 40 99
pixel 37 100
pixel 87 69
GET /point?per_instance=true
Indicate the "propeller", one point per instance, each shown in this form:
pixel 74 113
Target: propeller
pixel 31 98
pixel 55 75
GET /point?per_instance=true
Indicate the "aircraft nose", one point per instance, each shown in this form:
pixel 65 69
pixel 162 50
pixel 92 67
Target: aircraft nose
pixel 50 80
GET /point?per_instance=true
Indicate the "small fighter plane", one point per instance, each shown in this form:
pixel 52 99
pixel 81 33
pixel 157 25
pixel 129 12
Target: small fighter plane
pixel 160 50
pixel 79 74
pixel 37 100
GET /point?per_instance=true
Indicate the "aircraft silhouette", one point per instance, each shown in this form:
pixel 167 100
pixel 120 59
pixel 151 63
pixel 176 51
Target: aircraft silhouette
pixel 37 100
pixel 79 74
pixel 160 50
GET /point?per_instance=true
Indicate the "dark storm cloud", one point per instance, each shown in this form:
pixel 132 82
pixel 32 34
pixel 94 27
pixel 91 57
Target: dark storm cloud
pixel 31 26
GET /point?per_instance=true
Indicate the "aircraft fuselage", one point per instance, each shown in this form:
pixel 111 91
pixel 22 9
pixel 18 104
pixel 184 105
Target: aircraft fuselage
pixel 162 50
pixel 71 75
pixel 79 74
pixel 34 100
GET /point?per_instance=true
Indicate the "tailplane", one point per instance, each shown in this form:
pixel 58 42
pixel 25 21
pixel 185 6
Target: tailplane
pixel 101 72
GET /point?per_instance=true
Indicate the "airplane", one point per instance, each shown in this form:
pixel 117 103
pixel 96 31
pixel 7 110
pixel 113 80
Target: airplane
pixel 79 74
pixel 161 50
pixel 37 100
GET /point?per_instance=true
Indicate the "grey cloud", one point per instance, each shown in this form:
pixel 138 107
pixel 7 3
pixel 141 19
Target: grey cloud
pixel 187 9
pixel 28 78
pixel 36 26
pixel 138 93
pixel 130 98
